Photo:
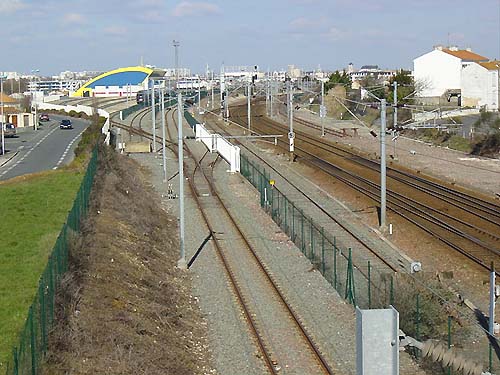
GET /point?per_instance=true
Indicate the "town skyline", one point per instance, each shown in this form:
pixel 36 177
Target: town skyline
pixel 89 35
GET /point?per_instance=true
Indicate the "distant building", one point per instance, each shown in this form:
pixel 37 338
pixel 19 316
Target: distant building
pixel 381 76
pixel 279 75
pixel 119 82
pixel 294 72
pixel 440 71
pixel 55 86
pixel 183 72
pixel 480 85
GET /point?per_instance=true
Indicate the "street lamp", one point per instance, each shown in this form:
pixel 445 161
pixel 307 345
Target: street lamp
pixel 1 113
pixel 33 100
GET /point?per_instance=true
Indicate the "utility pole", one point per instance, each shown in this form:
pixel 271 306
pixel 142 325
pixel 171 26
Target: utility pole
pixel 162 98
pixel 199 95
pixel 492 299
pixel 222 92
pixel 322 108
pixel 249 93
pixel 1 114
pixel 212 85
pixel 180 142
pixel 382 165
pixel 153 114
pixel 395 105
pixel 176 46
pixel 291 134
pixel 271 99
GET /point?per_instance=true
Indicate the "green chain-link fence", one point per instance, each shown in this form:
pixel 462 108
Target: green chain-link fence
pixel 355 278
pixel 33 339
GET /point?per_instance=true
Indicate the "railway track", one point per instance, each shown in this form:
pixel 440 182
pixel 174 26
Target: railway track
pixel 392 266
pixel 465 223
pixel 271 348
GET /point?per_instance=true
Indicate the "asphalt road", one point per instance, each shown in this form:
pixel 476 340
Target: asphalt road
pixel 47 148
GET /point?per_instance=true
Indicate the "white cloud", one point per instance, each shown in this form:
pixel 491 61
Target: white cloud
pixel 74 18
pixel 188 8
pixel 10 6
pixel 304 23
pixel 335 34
pixel 115 30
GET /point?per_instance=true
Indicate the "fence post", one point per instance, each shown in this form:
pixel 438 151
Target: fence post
pixel 323 249
pixel 285 226
pixel 391 295
pixel 32 341
pixel 311 231
pixel 449 340
pixel 16 361
pixel 369 285
pixel 293 222
pixel 335 262
pixel 417 322
pixel 41 292
pixel 349 287
pixel 303 243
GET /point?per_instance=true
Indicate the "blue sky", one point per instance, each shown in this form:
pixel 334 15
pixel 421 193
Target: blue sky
pixel 57 35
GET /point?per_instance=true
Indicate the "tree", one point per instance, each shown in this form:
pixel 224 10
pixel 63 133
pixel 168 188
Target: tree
pixel 338 78
pixel 406 87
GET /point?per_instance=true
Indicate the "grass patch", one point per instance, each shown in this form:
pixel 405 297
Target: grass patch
pixel 33 209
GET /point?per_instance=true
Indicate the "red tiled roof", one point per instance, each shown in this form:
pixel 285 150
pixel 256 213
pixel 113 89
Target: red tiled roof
pixel 466 55
pixel 490 65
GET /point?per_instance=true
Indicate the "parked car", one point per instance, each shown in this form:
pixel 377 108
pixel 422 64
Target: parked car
pixel 66 124
pixel 44 117
pixel 9 129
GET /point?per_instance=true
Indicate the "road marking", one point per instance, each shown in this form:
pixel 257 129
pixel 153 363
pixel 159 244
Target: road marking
pixel 67 150
pixel 29 152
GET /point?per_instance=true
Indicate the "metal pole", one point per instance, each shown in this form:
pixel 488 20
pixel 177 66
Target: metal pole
pixel 153 114
pixel 162 98
pixel 212 84
pixel 395 106
pixel 176 46
pixel 291 134
pixel 182 261
pixel 199 95
pixel 271 101
pixel 382 165
pixel 492 300
pixel 1 115
pixel 321 113
pixel 248 105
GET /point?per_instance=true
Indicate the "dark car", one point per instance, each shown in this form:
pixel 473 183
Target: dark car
pixel 44 117
pixel 66 124
pixel 9 130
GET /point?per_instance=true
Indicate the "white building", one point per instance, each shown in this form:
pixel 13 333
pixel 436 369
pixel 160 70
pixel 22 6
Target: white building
pixel 55 86
pixel 294 72
pixel 480 85
pixel 382 76
pixel 440 70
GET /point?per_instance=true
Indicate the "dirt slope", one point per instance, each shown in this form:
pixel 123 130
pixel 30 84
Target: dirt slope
pixel 126 308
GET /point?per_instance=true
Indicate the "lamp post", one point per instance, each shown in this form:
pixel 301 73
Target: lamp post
pixel 1 114
pixel 33 100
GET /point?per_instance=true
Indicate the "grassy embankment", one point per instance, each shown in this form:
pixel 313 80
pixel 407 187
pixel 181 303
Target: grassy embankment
pixel 33 209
